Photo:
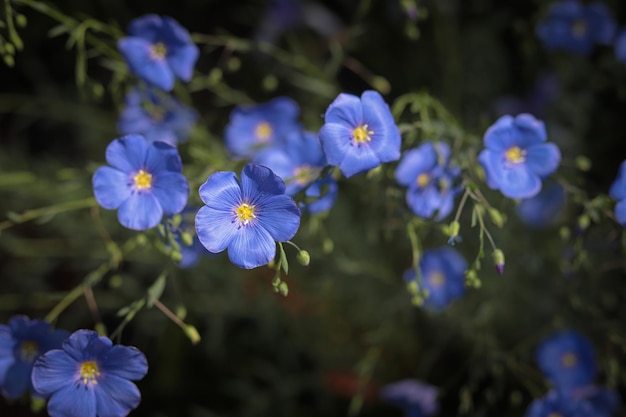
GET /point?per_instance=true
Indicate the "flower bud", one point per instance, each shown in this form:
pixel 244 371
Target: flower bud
pixel 304 258
pixel 498 260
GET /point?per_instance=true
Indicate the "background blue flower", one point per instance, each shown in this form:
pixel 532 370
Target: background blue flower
pixel 543 209
pixel 156 117
pixel 560 404
pixel 416 398
pixel 144 181
pixel 576 27
pixel 90 376
pixel 158 49
pixel 567 359
pixel 321 195
pixel 359 133
pixel 618 192
pixel 620 46
pixel 246 217
pixel 443 276
pixel 252 128
pixel 516 157
pixel 22 341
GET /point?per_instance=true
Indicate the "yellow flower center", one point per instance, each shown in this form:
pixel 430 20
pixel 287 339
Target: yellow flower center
pixel 515 155
pixel 143 180
pixel 29 351
pixel 263 131
pixel 437 279
pixel 422 179
pixel 158 50
pixel 569 360
pixel 361 134
pixel 89 372
pixel 579 28
pixel 245 213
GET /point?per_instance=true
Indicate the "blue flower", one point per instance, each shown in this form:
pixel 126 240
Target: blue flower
pixel 516 158
pixel 156 116
pixel 426 171
pixel 157 50
pixel 618 192
pixel 557 403
pixel 416 398
pixel 620 46
pixel 21 343
pixel 576 27
pixel 90 376
pixel 604 401
pixel 321 195
pixel 543 209
pixel 254 127
pixel 567 359
pixel 246 217
pixel 359 134
pixel 442 272
pixel 144 181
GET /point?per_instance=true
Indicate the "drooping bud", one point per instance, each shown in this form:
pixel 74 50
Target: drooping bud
pixel 498 260
pixel 303 258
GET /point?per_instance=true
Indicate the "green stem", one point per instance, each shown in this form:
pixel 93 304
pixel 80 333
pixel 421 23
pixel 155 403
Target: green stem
pixel 47 211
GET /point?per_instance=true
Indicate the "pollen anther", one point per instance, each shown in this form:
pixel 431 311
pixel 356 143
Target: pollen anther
pixel 245 213
pixel 89 372
pixel 263 131
pixel 143 180
pixel 361 134
pixel 515 155
pixel 158 50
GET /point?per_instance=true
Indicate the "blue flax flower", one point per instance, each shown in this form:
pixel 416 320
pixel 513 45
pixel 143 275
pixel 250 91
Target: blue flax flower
pixel 426 171
pixel 567 360
pixel 252 128
pixel 416 398
pixel 618 192
pixel 156 117
pixel 321 195
pixel 359 133
pixel 576 27
pixel 516 157
pixel 158 50
pixel 21 343
pixel 543 209
pixel 246 216
pixel 442 272
pixel 90 376
pixel 604 401
pixel 620 46
pixel 560 404
pixel 144 182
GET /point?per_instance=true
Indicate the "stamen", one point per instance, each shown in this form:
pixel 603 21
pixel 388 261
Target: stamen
pixel 515 155
pixel 423 179
pixel 143 180
pixel 569 360
pixel 89 372
pixel 158 51
pixel 361 134
pixel 29 351
pixel 437 279
pixel 245 213
pixel 263 131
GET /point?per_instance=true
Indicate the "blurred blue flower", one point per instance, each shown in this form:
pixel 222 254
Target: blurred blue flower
pixel 560 404
pixel 416 398
pixel 516 158
pixel 359 133
pixel 427 173
pixel 618 192
pixel 543 209
pixel 567 360
pixel 156 116
pixel 604 401
pixel 246 217
pixel 442 272
pixel 157 50
pixel 89 376
pixel 190 254
pixel 254 127
pixel 144 181
pixel 620 46
pixel 320 195
pixel 576 27
pixel 22 341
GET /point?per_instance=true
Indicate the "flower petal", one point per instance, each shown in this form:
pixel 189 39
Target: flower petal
pixel 127 153
pixel 251 247
pixel 385 141
pixel 221 191
pixel 531 130
pixel 500 136
pixel 358 159
pixel 518 181
pixel 414 162
pixel 162 157
pixel 138 55
pixel 78 342
pixel 543 159
pixel 215 228
pixel 172 190
pixel 146 27
pixel 17 380
pixel 618 188
pixel 52 371
pixel 111 187
pixel 345 110
pixel 258 181
pixel 125 362
pixel 115 396
pixel 182 61
pixel 488 160
pixel 336 142
pixel 71 400
pixel 423 202
pixel 141 211
pixel 280 216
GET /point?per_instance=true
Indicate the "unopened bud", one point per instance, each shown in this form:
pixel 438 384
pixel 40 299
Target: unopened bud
pixel 192 333
pixel 303 258
pixel 498 260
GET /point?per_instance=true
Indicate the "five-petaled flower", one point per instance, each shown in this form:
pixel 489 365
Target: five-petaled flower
pixel 516 157
pixel 567 359
pixel 21 343
pixel 89 377
pixel 251 128
pixel 427 174
pixel 618 192
pixel 576 27
pixel 158 49
pixel 416 398
pixel 442 276
pixel 246 216
pixel 144 181
pixel 359 133
pixel 561 404
pixel 543 209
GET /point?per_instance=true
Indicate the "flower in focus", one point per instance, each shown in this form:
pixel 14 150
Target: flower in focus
pixel 246 217
pixel 416 398
pixel 543 209
pixel 90 376
pixel 426 171
pixel 158 50
pixel 560 404
pixel 22 341
pixel 442 271
pixel 156 117
pixel 359 133
pixel 576 27
pixel 618 192
pixel 254 127
pixel 144 182
pixel 516 157
pixel 567 360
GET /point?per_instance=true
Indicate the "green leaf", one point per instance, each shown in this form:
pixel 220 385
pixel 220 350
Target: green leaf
pixel 283 259
pixel 156 289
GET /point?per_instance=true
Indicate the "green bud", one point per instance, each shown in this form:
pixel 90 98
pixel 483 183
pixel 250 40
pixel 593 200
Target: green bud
pixel 496 217
pixel 9 48
pixel 417 300
pixel 116 281
pixel 233 64
pixel 141 239
pixel 20 20
pixel 412 287
pixel 498 260
pixel 270 83
pixel 583 222
pixel 454 228
pixel 181 312
pixel 8 59
pixel 565 233
pixel 192 334
pixel 583 163
pixel 215 76
pixel 186 238
pixel 304 258
pixel 176 256
pixel 283 289
pixel 381 84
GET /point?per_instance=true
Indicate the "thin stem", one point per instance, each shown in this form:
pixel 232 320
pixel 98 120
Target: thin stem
pixel 167 312
pixel 459 210
pixel 48 211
